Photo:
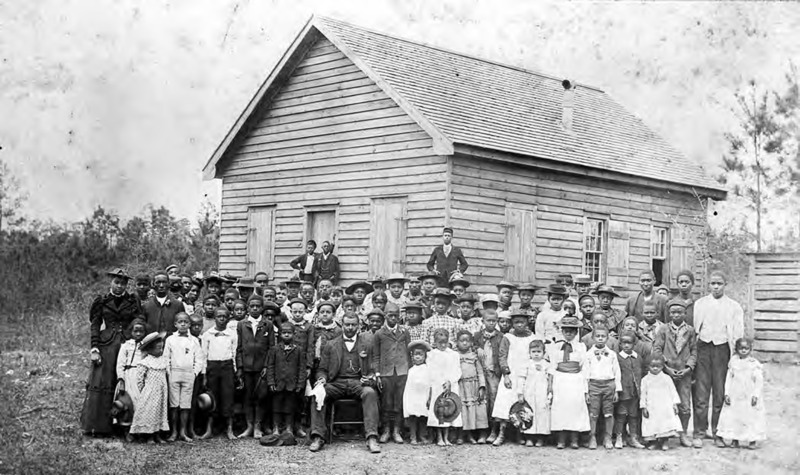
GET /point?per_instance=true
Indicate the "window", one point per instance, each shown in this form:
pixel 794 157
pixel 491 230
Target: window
pixel 594 244
pixel 658 254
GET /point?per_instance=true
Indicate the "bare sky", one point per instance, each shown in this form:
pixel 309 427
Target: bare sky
pixel 120 103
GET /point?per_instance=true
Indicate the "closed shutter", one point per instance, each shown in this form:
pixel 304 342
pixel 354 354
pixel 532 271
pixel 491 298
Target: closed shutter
pixel 260 240
pixel 520 246
pixel 619 239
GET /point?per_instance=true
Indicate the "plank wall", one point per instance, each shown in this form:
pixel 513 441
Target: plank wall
pixel 480 189
pixel 331 136
pixel 774 285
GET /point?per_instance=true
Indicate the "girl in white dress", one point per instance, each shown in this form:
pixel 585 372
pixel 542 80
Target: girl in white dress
pixel 417 394
pixel 535 388
pixel 513 358
pixel 569 414
pixel 444 365
pixel 659 402
pixel 742 417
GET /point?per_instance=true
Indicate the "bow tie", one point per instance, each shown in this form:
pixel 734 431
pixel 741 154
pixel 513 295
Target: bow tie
pixel 350 340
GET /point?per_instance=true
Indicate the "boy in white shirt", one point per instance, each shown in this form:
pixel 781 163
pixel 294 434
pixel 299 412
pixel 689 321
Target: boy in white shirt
pixel 185 362
pixel 601 370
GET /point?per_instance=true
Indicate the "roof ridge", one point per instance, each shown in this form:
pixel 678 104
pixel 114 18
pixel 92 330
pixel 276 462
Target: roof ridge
pixel 457 53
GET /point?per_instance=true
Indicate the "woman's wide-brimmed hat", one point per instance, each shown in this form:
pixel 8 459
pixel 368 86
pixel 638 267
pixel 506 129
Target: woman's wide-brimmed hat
pixel 397 277
pixel 521 415
pixel 429 275
pixel 570 322
pixel 458 279
pixel 606 289
pixel 360 284
pixel 151 338
pixel 419 344
pixel 557 289
pixel 443 292
pixel 506 284
pixel 447 407
pixel 118 272
pixel 528 286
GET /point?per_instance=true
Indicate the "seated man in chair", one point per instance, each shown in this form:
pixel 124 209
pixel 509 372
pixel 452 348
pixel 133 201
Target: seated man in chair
pixel 344 369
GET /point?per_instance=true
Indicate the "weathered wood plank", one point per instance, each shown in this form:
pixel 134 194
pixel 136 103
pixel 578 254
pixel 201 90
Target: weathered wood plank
pixel 306 118
pixel 295 89
pixel 776 326
pixel 778 257
pixel 356 125
pixel 781 280
pixel 776 335
pixel 777 294
pixel 781 271
pixel 777 305
pixel 776 316
pixel 778 265
pixel 775 346
pixel 773 286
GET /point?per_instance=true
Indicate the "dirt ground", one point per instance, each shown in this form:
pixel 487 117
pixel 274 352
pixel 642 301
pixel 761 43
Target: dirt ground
pixel 41 395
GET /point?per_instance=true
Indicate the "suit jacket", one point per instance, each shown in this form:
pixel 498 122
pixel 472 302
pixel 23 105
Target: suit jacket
pixel 252 347
pixel 116 313
pixel 286 370
pixel 665 346
pixel 299 263
pixel 328 268
pixel 333 355
pixel 445 265
pixel 635 304
pixel 161 318
pixel 479 343
pixel 390 351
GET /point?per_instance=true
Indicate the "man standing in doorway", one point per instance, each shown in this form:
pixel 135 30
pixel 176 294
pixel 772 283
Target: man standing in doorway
pixel 328 264
pixel 447 258
pixel 308 263
pixel 719 323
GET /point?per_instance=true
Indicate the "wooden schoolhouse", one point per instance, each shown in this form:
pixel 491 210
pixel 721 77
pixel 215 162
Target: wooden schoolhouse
pixel 375 143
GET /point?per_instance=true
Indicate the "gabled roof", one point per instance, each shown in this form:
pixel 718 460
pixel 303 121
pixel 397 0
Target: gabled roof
pixel 462 100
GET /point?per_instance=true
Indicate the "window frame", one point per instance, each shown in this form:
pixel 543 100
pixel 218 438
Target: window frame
pixel 602 267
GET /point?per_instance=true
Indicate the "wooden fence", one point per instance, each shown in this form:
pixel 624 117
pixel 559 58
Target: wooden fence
pixel 774 286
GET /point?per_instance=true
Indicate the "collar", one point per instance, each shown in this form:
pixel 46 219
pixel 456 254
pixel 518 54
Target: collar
pixel 298 324
pixel 624 355
pixel 354 339
pixel 327 327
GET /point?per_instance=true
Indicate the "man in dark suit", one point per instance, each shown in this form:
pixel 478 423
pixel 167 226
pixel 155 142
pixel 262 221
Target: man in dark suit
pixel 391 361
pixel 447 258
pixel 344 370
pixel 308 263
pixel 160 310
pixel 328 264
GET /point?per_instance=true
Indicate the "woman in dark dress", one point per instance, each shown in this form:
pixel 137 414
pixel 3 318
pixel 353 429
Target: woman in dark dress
pixel 116 309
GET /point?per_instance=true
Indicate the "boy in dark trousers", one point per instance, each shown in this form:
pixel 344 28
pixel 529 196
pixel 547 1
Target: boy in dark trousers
pixel 677 343
pixel 631 366
pixel 286 377
pixel 303 339
pixel 219 348
pixel 487 345
pixel 390 364
pixel 255 336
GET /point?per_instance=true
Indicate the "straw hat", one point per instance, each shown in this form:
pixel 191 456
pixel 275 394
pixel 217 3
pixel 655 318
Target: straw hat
pixel 447 407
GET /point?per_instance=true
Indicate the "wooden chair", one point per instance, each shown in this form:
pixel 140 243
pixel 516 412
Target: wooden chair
pixel 344 412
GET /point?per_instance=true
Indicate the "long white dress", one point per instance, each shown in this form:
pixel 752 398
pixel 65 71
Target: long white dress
pixel 741 420
pixel 517 361
pixel 568 411
pixel 658 397
pixel 127 362
pixel 443 366
pixel 415 395
pixel 533 387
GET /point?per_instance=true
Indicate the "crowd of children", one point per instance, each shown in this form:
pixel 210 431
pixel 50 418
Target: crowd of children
pixel 450 367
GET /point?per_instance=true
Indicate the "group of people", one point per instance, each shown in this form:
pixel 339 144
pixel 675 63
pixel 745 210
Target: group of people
pixel 427 362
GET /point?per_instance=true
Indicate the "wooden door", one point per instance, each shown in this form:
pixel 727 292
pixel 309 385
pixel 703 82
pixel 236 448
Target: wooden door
pixel 260 240
pixel 619 237
pixel 387 241
pixel 520 243
pixel 321 226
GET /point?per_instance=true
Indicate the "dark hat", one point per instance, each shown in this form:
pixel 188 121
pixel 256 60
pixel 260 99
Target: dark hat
pixel 397 277
pixel 118 272
pixel 364 285
pixel 447 229
pixel 570 322
pixel 170 267
pixel 269 440
pixel 229 278
pixel 122 399
pixel 378 279
pixel 412 304
pixel 606 289
pixel 504 283
pixel 245 283
pixel 213 276
pixel 419 344
pixel 298 300
pixel 376 311
pixel 142 278
pixel 292 281
pixel 528 286
pixel 150 339
pixel 518 314
pixel 521 415
pixel 429 275
pixel 582 279
pixel 467 297
pixel 676 302
pixel 557 289
pixel 326 303
pixel 286 439
pixel 458 278
pixel 443 292
pixel 271 306
pixel 206 401
pixel 447 407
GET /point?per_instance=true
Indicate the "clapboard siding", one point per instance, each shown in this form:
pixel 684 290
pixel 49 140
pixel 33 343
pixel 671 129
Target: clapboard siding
pixel 331 136
pixel 480 189
pixel 774 305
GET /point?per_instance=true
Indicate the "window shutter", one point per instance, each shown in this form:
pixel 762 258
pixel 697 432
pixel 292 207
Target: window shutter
pixel 682 254
pixel 619 238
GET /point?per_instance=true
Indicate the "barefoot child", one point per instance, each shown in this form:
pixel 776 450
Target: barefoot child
pixel 472 389
pixel 417 394
pixel 601 370
pixel 487 343
pixel 255 335
pixel 445 370
pixel 286 378
pixel 535 387
pixel 185 362
pixel 569 414
pixel 626 411
pixel 742 417
pixel 390 365
pixel 659 403
pixel 513 358
pixel 128 362
pixel 219 347
pixel 150 416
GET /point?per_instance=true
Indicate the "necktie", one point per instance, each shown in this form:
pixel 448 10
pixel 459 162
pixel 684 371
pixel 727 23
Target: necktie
pixel 567 347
